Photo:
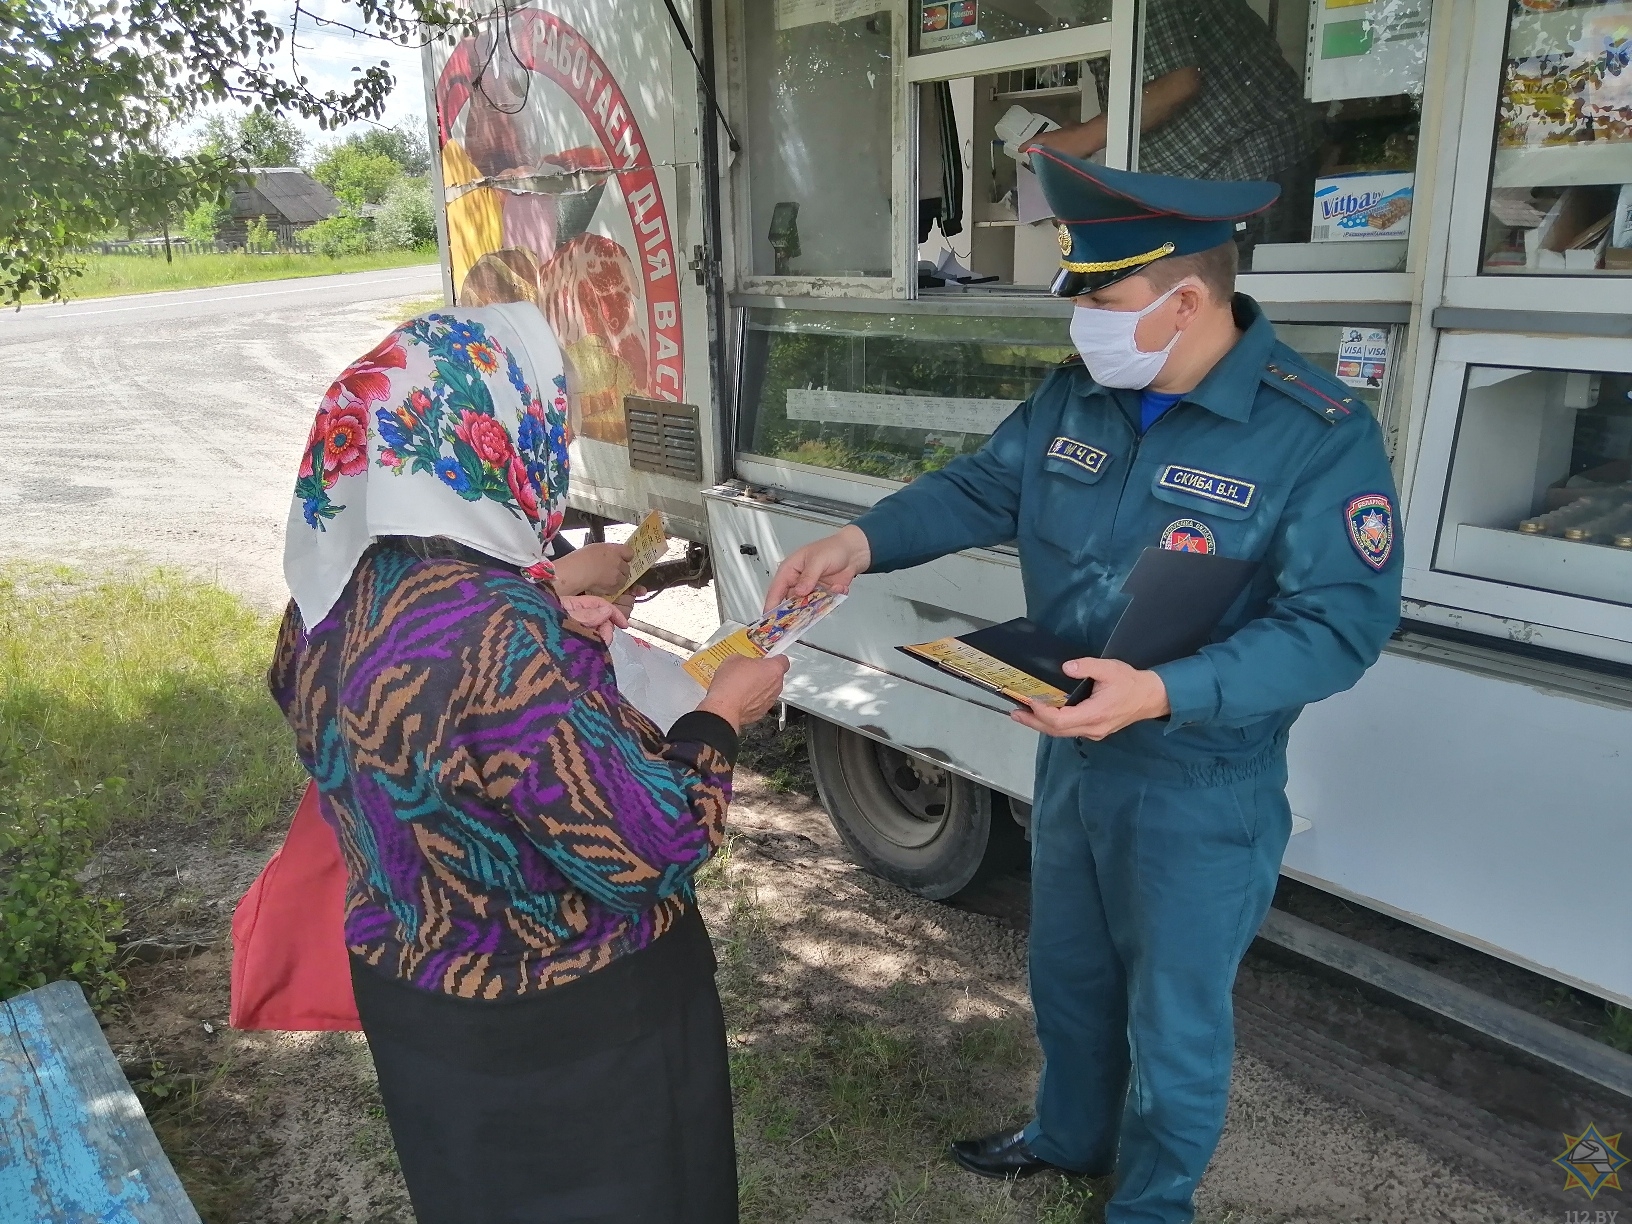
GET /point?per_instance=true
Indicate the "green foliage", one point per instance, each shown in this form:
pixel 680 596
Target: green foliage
pixel 205 221
pixel 1618 1027
pixel 49 928
pixel 89 89
pixel 157 680
pixel 256 138
pixel 356 175
pixel 258 235
pixel 347 234
pixel 407 220
pixel 406 144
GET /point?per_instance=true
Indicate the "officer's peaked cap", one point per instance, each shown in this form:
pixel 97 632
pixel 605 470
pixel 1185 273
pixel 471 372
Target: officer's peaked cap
pixel 1114 223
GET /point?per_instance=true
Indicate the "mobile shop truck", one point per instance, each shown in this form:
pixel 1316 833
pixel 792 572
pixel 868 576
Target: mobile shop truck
pixel 792 266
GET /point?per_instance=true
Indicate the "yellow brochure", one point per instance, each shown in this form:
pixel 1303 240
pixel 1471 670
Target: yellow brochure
pixel 962 660
pixel 649 542
pixel 778 629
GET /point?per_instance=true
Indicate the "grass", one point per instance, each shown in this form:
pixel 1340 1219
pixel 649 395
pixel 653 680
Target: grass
pixel 107 275
pixel 154 679
pixel 415 306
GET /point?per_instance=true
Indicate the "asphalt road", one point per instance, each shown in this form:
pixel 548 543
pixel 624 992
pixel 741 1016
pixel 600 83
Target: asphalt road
pixel 166 428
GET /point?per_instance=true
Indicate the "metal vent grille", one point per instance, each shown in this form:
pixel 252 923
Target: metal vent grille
pixel 663 437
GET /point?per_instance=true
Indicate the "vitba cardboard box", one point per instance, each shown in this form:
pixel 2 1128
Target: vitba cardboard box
pixel 1359 207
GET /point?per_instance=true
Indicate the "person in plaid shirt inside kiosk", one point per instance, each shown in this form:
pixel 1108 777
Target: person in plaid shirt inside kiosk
pixel 1220 102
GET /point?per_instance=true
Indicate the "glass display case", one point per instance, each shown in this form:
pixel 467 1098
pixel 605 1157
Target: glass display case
pixel 1560 192
pixel 819 163
pixel 1539 493
pixel 895 395
pixel 1321 96
pixel 886 395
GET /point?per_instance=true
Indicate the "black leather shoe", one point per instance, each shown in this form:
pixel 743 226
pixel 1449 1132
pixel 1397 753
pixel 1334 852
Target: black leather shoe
pixel 1003 1155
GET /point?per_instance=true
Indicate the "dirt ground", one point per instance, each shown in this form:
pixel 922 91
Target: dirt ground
pixel 868 1026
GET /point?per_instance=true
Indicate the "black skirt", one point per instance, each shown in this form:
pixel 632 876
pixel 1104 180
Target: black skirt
pixel 604 1100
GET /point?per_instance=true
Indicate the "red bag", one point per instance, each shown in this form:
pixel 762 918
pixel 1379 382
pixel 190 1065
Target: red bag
pixel 290 969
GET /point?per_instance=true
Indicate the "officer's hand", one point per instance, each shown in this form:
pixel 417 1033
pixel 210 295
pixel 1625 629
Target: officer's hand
pixel 1122 696
pixel 832 561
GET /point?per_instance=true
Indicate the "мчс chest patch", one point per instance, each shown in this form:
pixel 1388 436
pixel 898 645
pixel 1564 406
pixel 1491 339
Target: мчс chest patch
pixel 1370 520
pixel 1088 458
pixel 1187 535
pixel 1226 490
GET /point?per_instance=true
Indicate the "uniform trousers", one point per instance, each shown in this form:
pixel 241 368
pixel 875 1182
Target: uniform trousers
pixel 1146 892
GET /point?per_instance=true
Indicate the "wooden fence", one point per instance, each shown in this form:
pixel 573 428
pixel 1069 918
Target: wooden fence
pixel 154 247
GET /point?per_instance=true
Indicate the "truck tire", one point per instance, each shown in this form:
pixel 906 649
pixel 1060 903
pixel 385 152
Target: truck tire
pixel 904 819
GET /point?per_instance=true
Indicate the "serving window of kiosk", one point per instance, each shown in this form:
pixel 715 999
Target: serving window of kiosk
pixel 881 139
pixel 914 206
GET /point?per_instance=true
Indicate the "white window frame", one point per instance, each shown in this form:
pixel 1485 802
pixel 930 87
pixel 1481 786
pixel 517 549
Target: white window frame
pixel 1465 285
pixel 738 190
pixel 1588 625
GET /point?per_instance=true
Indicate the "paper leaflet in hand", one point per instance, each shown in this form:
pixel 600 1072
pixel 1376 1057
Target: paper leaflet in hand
pixel 778 629
pixel 653 680
pixel 649 543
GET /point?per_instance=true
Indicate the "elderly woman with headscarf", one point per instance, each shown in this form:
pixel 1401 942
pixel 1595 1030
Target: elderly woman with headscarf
pixel 527 955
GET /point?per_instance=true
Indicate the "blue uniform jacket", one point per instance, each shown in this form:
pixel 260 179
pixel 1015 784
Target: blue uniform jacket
pixel 1269 459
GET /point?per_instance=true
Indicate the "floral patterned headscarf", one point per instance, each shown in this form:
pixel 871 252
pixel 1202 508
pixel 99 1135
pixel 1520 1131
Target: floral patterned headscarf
pixel 453 425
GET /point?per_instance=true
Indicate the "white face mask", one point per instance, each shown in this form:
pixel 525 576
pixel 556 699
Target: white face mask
pixel 1105 340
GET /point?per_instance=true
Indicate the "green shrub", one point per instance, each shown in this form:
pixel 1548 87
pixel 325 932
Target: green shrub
pixel 258 236
pixel 346 234
pixel 49 928
pixel 356 175
pixel 407 219
pixel 205 221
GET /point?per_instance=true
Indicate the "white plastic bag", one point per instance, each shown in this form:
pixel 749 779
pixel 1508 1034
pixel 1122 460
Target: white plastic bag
pixel 653 680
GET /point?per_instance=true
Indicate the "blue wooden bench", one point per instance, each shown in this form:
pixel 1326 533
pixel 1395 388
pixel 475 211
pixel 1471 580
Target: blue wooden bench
pixel 75 1146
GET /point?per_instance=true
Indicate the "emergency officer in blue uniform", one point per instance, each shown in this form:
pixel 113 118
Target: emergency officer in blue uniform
pixel 1160 815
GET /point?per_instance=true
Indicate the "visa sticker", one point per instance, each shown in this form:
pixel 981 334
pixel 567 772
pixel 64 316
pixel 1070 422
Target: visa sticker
pixel 1212 486
pixel 1088 458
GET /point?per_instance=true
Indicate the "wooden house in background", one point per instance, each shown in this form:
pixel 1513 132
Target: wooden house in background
pixel 286 197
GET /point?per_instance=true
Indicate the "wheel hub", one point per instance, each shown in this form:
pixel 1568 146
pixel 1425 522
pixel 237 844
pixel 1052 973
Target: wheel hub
pixel 919 786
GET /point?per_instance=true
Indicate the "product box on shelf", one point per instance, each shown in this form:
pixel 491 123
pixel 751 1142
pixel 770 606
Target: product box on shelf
pixel 1366 205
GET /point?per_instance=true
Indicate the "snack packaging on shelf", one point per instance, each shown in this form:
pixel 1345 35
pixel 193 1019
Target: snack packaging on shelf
pixel 1363 206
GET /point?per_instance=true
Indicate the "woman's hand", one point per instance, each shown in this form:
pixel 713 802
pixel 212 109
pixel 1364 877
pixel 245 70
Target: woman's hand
pixel 744 690
pixel 594 569
pixel 593 616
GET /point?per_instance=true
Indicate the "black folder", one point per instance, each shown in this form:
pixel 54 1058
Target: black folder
pixel 1178 598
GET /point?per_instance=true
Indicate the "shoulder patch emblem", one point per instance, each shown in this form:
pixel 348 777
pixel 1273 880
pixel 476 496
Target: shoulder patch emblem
pixel 1370 520
pixel 1187 535
pixel 1088 458
pixel 1225 489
